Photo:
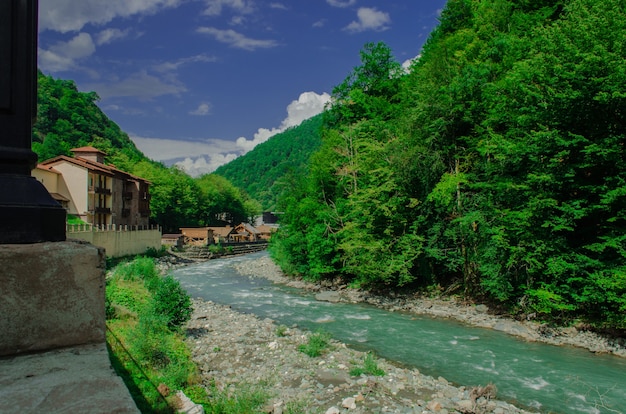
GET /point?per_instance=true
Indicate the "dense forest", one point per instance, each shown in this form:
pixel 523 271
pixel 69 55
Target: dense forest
pixel 262 171
pixel 494 168
pixel 67 118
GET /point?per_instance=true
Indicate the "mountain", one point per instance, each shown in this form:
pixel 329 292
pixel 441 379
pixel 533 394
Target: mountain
pixel 260 172
pixel 68 118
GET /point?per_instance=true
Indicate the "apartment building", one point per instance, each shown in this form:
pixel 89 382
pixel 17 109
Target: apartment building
pixel 98 193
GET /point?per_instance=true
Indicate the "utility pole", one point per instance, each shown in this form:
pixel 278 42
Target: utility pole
pixel 28 213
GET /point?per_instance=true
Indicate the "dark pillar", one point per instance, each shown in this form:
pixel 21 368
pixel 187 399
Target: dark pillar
pixel 28 214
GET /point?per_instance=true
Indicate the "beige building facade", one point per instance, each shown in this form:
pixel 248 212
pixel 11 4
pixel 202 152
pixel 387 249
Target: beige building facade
pixel 97 193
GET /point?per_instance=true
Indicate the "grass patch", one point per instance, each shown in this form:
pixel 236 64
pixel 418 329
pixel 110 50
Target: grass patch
pixel 244 399
pixel 369 367
pixel 144 315
pixel 317 344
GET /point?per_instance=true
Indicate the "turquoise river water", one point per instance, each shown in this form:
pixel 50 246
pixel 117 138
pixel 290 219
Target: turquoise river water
pixel 540 377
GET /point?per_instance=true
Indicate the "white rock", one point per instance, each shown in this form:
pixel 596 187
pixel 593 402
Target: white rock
pixel 333 410
pixel 349 403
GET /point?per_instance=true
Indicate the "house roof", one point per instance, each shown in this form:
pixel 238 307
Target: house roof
pixel 87 149
pixel 222 231
pixel 91 166
pixel 49 168
pixel 59 197
pixel 248 228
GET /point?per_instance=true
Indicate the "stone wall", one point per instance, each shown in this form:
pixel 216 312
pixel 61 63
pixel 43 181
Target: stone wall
pixel 51 296
pixel 119 242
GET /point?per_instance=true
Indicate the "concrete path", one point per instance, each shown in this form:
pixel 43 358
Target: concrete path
pixel 71 380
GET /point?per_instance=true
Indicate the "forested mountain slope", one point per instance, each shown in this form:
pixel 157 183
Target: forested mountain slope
pixel 261 172
pixel 494 169
pixel 67 118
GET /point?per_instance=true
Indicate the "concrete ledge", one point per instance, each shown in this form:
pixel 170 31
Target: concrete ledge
pixel 71 380
pixel 51 296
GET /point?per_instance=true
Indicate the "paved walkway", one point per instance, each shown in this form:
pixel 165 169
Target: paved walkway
pixel 71 380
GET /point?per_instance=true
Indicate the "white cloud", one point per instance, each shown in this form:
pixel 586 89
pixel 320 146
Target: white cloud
pixel 162 149
pixel 140 85
pixel 278 6
pixel 236 39
pixel 369 19
pixel 203 157
pixel 406 65
pixel 215 7
pixel 308 104
pixel 110 35
pixel 172 66
pixel 202 109
pixel 71 15
pixel 320 23
pixel 63 55
pixel 341 3
pixel 205 164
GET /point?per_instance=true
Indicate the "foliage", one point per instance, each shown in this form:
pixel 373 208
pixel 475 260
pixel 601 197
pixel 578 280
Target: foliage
pixel 316 345
pixel 145 347
pixel 247 399
pixel 260 172
pixel 369 367
pixel 494 166
pixel 171 301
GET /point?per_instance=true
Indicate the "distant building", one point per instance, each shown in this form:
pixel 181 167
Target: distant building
pixel 97 193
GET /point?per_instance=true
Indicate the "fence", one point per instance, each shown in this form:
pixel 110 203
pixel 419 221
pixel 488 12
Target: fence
pixel 118 241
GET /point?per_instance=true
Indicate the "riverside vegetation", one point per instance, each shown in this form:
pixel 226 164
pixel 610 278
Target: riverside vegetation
pixel 493 169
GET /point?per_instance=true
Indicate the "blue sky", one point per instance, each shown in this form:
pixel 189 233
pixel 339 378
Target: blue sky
pixel 199 82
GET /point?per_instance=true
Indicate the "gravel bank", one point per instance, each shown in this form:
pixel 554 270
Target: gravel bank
pixel 234 350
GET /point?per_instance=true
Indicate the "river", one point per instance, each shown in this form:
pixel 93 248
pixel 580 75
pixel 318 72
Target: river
pixel 537 376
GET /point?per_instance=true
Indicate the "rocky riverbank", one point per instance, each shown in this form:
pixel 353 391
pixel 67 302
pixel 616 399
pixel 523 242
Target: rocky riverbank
pixel 236 351
pixel 449 307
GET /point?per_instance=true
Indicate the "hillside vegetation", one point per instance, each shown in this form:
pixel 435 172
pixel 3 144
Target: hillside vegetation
pixel 495 169
pixel 261 172
pixel 67 118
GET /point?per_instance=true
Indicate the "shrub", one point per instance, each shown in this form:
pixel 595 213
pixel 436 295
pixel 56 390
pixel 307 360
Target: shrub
pixel 318 342
pixel 171 301
pixel 370 367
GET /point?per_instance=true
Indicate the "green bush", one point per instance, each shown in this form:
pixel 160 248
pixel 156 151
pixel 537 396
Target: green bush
pixel 370 367
pixel 171 301
pixel 318 342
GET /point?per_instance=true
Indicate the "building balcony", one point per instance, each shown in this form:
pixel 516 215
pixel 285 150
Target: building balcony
pixel 103 210
pixel 102 190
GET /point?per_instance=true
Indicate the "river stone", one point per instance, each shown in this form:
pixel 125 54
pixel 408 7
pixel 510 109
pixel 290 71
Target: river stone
pixel 349 403
pixel 328 296
pixel 482 308
pixel 333 410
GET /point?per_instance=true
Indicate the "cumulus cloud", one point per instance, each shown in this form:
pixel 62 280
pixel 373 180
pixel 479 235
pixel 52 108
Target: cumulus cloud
pixel 110 35
pixel 205 164
pixel 202 109
pixel 71 15
pixel 162 149
pixel 406 65
pixel 203 157
pixel 308 104
pixel 369 19
pixel 215 7
pixel 341 3
pixel 235 39
pixel 63 55
pixel 140 85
